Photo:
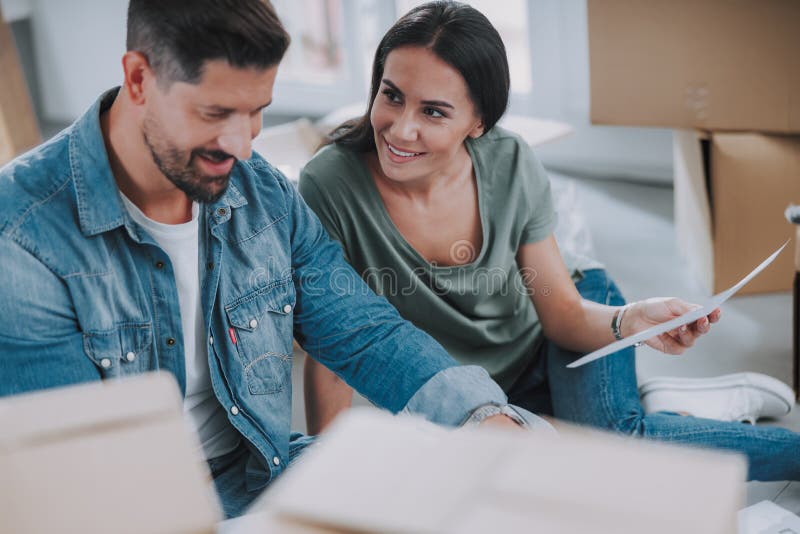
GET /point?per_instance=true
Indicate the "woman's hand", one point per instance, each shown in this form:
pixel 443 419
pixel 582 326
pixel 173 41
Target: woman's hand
pixel 647 313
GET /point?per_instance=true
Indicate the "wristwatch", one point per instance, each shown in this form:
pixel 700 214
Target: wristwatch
pixel 489 410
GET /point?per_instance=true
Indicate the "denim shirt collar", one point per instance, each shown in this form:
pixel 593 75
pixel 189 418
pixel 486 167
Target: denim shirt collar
pixel 100 207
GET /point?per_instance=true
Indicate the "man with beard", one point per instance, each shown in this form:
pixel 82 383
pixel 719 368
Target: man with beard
pixel 148 236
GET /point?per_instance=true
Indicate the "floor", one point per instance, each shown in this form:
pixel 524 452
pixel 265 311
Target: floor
pixel 633 234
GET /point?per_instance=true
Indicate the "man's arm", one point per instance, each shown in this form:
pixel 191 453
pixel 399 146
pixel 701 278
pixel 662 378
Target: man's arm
pixel 41 345
pixel 341 323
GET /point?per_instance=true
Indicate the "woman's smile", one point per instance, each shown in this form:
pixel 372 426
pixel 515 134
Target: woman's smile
pixel 401 155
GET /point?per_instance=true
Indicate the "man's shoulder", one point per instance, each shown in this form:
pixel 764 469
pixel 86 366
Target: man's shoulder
pixel 34 181
pixel 261 184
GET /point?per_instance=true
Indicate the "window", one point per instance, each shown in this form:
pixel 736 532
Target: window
pixel 316 55
pixel 329 62
pixel 510 17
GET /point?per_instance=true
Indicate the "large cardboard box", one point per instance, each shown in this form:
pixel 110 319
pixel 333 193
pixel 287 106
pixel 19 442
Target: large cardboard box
pixel 103 457
pixel 375 473
pixel 18 128
pixel 705 64
pixel 731 190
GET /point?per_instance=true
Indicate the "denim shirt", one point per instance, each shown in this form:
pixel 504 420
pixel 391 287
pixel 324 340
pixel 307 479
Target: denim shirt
pixel 87 294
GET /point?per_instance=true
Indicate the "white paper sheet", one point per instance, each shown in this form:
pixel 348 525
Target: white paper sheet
pixel 688 317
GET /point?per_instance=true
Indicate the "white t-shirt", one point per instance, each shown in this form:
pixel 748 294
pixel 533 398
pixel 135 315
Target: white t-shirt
pixel 202 409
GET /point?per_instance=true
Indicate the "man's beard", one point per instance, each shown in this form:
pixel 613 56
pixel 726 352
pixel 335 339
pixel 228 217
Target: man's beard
pixel 177 165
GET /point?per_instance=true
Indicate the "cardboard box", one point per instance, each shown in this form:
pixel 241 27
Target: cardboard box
pixel 103 457
pixel 731 190
pixel 371 472
pixel 704 64
pixel 18 128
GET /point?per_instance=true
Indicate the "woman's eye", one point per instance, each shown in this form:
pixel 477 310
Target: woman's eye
pixel 391 96
pixel 433 112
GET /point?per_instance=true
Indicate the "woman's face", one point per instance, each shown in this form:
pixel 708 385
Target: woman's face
pixel 421 115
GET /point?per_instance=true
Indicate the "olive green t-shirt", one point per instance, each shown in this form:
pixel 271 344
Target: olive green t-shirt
pixel 481 311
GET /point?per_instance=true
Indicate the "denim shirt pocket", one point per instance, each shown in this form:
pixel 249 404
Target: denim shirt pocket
pixel 262 323
pixel 122 351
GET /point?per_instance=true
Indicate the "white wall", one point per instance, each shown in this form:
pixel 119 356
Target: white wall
pixel 15 9
pixel 79 45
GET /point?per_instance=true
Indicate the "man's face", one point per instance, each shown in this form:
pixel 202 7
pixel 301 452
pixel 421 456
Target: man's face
pixel 196 132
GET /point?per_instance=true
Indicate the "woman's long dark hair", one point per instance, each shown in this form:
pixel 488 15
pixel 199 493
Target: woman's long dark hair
pixel 462 37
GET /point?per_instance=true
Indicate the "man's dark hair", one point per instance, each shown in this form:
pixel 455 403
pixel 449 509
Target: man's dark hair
pixel 459 35
pixel 178 36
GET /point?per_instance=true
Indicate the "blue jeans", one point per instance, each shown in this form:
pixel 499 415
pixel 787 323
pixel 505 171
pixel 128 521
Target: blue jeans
pixel 604 394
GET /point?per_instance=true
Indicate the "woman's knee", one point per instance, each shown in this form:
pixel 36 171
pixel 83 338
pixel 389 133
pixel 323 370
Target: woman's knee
pixel 597 286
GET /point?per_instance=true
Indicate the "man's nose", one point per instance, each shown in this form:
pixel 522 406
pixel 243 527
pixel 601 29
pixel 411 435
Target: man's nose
pixel 238 135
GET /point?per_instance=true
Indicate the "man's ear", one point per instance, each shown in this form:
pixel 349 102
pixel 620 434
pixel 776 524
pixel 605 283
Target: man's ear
pixel 477 130
pixel 137 72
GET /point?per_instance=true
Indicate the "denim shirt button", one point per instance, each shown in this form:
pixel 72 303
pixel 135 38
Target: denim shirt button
pixel 253 323
pixel 130 356
pixel 276 460
pixel 210 340
pixel 105 363
pixel 287 308
pixel 234 410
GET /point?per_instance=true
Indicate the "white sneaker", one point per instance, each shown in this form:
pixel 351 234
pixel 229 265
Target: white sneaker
pixel 736 397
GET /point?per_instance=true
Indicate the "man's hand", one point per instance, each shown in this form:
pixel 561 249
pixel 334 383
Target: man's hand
pixel 500 421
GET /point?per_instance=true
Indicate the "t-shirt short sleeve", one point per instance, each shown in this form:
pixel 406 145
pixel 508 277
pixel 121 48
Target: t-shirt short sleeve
pixel 539 218
pixel 311 191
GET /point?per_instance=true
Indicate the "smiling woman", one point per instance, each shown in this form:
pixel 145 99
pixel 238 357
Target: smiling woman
pixel 426 122
pixel 450 218
pixel 419 124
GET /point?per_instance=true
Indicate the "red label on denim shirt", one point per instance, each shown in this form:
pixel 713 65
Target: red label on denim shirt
pixel 232 333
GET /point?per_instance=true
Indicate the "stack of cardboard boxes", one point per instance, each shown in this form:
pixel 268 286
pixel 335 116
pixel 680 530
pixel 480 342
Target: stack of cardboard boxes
pixel 726 75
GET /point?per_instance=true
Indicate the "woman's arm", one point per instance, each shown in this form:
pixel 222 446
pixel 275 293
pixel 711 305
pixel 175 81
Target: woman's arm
pixel 583 326
pixel 326 396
